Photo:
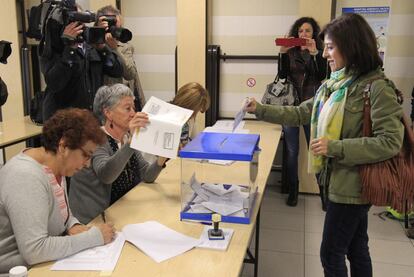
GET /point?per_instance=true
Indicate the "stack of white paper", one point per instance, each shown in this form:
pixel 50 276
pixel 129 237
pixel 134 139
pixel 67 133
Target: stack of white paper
pixel 101 258
pixel 154 239
pixel 162 135
pixel 231 126
pixel 158 241
pixel 226 126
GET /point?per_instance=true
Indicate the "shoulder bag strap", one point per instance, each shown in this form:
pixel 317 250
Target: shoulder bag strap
pixel 367 124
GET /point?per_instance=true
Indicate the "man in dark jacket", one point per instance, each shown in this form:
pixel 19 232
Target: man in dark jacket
pixel 73 71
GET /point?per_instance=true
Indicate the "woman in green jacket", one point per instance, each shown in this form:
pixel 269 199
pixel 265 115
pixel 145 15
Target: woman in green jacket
pixel 337 147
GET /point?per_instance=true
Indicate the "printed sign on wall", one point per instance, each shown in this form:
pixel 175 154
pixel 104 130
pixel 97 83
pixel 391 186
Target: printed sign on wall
pixel 377 18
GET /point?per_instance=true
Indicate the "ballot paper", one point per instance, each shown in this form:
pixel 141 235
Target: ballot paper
pixel 240 115
pixel 196 186
pixel 161 136
pixel 223 208
pixel 205 242
pixel 225 204
pixel 217 198
pixel 219 189
pixel 221 162
pixel 158 241
pixel 101 258
pixel 241 213
pixel 226 126
pixel 198 209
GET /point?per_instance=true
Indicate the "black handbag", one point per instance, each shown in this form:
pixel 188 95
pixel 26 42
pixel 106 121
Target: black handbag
pixel 36 108
pixel 280 92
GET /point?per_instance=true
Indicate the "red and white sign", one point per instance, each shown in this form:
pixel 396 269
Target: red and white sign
pixel 251 82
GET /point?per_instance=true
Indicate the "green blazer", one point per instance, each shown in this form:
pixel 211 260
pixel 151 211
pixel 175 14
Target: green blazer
pixel 352 150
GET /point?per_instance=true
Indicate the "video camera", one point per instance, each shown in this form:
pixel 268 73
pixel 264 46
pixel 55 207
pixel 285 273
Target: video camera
pixel 70 13
pixel 49 19
pixel 95 34
pixel 119 33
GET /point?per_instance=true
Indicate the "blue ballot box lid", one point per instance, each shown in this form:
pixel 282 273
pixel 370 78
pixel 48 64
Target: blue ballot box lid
pixel 221 146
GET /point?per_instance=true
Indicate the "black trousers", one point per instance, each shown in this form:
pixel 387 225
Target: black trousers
pixel 345 234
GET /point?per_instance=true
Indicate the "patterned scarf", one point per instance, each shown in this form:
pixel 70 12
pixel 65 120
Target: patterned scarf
pixel 328 113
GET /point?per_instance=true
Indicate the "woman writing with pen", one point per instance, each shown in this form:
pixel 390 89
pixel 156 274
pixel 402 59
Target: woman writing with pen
pixel 36 222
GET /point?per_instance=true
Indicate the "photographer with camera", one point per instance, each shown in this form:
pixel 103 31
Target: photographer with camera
pixel 117 39
pixel 74 58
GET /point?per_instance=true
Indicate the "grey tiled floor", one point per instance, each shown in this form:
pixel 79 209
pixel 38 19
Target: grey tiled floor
pixel 290 238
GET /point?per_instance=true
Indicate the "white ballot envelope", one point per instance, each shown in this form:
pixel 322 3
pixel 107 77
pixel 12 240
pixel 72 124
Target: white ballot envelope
pixel 240 115
pixel 162 135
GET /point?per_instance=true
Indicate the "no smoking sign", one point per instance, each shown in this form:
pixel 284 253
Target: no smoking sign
pixel 251 82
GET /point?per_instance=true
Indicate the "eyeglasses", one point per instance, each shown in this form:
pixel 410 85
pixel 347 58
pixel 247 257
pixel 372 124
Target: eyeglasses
pixel 86 155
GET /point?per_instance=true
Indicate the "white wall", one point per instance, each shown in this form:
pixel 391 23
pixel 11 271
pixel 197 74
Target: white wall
pixel 153 24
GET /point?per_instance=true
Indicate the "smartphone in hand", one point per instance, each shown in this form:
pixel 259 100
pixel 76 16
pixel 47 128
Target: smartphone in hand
pixel 290 42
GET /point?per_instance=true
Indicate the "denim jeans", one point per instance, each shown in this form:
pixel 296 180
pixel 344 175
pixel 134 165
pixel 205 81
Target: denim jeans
pixel 345 233
pixel 291 137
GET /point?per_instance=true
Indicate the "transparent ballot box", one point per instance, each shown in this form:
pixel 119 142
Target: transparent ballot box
pixel 218 175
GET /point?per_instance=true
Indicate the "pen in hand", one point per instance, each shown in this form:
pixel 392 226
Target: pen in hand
pixel 103 217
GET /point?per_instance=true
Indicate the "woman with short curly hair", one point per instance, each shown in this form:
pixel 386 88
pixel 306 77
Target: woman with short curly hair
pixel 37 224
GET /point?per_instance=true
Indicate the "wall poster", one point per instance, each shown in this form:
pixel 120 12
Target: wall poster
pixel 377 18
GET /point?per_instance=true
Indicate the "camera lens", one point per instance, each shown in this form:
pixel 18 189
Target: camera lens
pixel 121 34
